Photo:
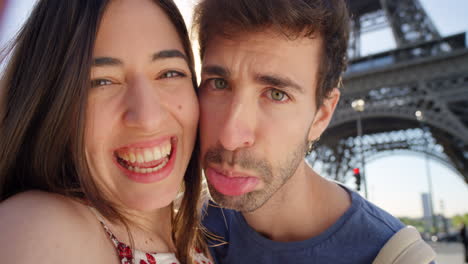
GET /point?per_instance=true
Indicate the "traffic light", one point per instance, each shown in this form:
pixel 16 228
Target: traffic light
pixel 357 178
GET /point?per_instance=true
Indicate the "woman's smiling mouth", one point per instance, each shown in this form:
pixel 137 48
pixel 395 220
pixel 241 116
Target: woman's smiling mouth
pixel 147 164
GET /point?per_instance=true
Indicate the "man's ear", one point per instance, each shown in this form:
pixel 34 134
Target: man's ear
pixel 324 114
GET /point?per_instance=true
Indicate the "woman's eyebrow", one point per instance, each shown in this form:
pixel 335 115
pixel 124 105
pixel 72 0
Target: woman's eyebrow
pixel 167 54
pixel 106 61
pixel 164 54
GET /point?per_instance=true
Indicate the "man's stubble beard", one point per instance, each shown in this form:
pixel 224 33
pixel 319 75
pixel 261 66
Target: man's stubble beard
pixel 273 177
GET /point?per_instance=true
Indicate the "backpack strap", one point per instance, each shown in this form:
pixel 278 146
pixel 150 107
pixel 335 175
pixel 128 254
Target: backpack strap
pixel 405 247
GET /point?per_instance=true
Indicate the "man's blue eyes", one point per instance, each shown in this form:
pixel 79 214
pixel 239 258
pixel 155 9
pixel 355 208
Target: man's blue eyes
pixel 220 83
pixel 277 95
pixel 272 93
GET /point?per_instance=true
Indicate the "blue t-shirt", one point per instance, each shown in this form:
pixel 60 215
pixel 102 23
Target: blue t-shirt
pixel 356 237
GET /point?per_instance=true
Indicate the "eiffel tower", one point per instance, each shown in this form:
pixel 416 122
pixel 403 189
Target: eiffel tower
pixel 416 95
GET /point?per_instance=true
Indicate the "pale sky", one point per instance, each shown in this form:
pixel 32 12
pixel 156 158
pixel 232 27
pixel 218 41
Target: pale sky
pixel 395 183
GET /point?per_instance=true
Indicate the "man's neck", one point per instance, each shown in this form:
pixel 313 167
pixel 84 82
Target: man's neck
pixel 304 207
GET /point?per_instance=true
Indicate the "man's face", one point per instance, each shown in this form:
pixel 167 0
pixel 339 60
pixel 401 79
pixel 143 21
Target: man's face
pixel 258 112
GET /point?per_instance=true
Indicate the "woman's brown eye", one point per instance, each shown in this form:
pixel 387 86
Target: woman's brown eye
pixel 100 82
pixel 172 74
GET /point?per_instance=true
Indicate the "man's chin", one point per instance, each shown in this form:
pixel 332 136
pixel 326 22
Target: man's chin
pixel 229 202
pixel 244 203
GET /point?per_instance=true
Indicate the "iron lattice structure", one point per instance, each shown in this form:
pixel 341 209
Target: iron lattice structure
pixel 426 73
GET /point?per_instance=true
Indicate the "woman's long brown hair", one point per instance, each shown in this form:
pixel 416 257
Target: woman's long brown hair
pixel 44 93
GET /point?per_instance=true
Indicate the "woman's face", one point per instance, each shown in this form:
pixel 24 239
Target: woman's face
pixel 142 110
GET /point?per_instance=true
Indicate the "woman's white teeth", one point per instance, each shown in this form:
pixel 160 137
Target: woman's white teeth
pixel 140 158
pixel 132 157
pixel 147 154
pixel 156 154
pixel 147 170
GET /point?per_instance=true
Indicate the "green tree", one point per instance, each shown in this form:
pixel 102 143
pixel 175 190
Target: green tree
pixel 417 223
pixel 458 220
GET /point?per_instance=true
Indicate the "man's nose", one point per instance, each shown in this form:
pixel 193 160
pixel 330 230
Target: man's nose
pixel 238 130
pixel 144 108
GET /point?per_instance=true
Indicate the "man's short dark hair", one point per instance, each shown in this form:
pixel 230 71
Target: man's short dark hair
pixel 291 18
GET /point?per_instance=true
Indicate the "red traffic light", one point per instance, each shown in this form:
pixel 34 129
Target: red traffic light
pixel 356 170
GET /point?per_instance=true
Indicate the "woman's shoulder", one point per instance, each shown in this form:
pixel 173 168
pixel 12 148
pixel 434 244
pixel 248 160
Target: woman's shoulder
pixel 48 227
pixel 46 209
pixel 35 201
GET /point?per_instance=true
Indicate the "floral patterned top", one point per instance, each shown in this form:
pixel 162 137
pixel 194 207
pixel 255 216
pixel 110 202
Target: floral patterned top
pixel 129 256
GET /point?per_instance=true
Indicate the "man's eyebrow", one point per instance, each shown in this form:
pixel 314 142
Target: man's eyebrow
pixel 278 81
pixel 167 54
pixel 106 61
pixel 216 70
